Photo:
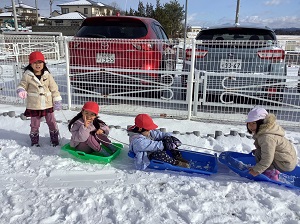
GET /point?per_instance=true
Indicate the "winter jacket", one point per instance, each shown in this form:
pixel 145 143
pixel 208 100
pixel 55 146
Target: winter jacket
pixel 80 133
pixel 40 93
pixel 142 145
pixel 272 148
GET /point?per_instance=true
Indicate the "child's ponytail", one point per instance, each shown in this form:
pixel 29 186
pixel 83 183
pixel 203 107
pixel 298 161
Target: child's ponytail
pixel 78 116
pixel 97 123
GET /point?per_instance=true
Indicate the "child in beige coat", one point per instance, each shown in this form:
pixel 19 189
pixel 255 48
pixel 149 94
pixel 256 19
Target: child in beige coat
pixel 40 90
pixel 274 153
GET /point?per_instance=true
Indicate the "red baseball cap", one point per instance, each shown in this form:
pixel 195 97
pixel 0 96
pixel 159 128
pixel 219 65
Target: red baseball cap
pixel 36 56
pixel 144 121
pixel 91 106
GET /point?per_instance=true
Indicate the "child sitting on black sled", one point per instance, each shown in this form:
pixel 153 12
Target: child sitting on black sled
pixel 89 132
pixel 146 144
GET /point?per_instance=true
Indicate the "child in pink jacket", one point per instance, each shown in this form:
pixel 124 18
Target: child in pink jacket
pixel 89 132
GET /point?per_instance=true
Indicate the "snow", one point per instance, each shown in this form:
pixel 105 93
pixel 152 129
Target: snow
pixel 45 185
pixel 81 2
pixel 71 15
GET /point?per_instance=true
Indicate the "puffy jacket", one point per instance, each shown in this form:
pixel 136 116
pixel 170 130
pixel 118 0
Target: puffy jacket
pixel 273 147
pixel 142 145
pixel 40 93
pixel 80 133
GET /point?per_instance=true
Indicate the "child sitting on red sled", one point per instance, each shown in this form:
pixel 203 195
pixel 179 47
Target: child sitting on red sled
pixel 146 144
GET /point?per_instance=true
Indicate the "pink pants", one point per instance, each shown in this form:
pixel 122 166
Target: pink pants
pixel 36 122
pixel 94 144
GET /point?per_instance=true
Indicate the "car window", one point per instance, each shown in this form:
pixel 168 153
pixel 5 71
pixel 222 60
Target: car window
pixel 236 34
pixel 113 29
pixel 160 32
pixel 164 35
pixel 156 31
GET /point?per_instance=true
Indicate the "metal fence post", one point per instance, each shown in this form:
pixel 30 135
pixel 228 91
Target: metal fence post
pixel 66 42
pixel 190 82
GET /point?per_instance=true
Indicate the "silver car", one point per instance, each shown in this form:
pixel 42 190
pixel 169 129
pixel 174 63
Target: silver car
pixel 238 64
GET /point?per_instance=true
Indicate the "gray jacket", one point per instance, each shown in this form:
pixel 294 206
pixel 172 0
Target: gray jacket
pixel 142 145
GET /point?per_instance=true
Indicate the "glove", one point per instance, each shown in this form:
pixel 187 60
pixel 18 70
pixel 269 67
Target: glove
pixel 176 141
pixel 57 105
pixel 171 143
pixel 22 93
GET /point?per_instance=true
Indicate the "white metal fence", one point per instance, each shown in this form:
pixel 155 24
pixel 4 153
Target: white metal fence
pixel 131 77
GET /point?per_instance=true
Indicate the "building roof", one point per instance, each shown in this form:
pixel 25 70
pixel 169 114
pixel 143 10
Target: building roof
pixel 8 14
pixel 196 27
pixel 69 16
pixel 20 5
pixel 83 2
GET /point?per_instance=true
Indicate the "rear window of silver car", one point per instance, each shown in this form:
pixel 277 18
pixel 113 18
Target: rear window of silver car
pixel 238 34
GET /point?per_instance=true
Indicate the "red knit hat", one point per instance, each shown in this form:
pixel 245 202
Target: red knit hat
pixel 91 106
pixel 36 56
pixel 144 121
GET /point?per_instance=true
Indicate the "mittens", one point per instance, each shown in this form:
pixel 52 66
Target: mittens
pixel 57 105
pixel 22 93
pixel 176 141
pixel 171 142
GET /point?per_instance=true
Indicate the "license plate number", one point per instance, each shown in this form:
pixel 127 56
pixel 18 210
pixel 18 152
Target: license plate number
pixel 231 64
pixel 105 58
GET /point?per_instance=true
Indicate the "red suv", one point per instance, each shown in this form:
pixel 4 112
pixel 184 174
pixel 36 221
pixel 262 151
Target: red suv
pixel 117 53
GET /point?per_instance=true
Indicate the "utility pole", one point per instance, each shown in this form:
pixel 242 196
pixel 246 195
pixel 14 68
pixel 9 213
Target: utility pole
pixel 15 15
pixel 237 12
pixel 37 13
pixel 185 29
pixel 51 2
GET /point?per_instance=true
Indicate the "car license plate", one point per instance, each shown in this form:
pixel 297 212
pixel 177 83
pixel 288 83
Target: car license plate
pixel 231 64
pixel 105 58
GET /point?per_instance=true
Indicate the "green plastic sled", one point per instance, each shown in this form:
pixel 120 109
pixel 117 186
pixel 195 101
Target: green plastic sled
pixel 95 156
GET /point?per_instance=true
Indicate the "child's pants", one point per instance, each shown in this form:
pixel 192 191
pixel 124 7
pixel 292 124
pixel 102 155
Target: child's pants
pixel 36 121
pixel 164 156
pixel 93 143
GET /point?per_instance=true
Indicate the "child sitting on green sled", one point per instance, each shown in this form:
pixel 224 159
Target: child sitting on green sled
pixel 274 153
pixel 146 143
pixel 89 132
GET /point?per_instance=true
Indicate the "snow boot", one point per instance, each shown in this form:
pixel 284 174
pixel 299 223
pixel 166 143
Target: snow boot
pixel 34 139
pixel 177 155
pixel 112 148
pixel 54 138
pixel 272 174
pixel 182 164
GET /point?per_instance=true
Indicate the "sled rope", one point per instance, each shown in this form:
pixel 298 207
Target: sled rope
pixel 64 116
pixel 199 147
pixel 182 144
pixel 124 129
pixel 117 140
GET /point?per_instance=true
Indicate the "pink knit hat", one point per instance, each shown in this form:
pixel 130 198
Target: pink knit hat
pixel 256 114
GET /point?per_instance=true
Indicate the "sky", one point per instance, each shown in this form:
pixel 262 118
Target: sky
pixel 45 185
pixel 272 13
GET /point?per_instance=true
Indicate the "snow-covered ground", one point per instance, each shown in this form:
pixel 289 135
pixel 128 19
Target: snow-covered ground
pixel 45 185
